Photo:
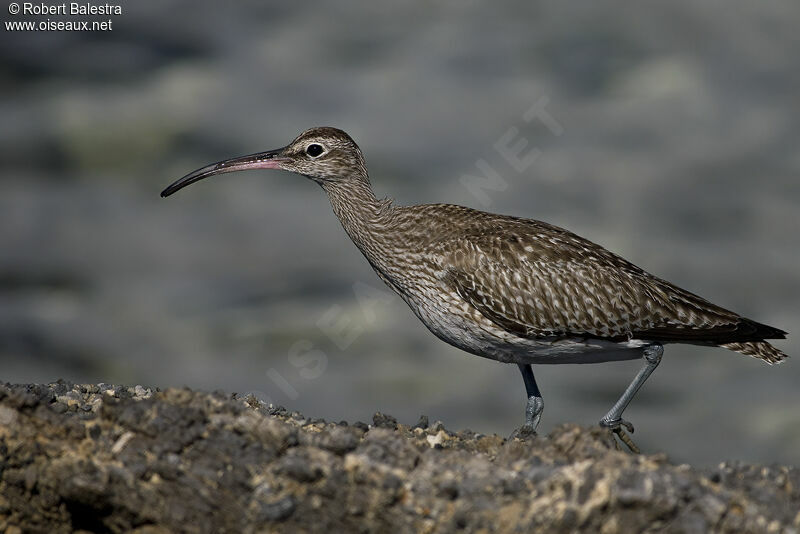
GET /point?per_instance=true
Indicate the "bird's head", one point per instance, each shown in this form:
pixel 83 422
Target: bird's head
pixel 323 154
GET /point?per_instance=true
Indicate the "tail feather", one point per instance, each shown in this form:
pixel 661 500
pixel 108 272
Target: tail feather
pixel 757 349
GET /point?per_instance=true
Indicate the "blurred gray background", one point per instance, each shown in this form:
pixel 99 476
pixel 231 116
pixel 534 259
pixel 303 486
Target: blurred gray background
pixel 673 141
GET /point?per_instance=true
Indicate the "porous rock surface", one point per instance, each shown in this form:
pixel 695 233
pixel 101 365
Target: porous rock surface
pixel 103 458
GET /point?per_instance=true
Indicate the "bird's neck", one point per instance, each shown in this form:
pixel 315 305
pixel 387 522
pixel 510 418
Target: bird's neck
pixel 365 218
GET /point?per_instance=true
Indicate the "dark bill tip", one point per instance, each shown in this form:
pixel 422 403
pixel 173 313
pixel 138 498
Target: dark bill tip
pixel 261 160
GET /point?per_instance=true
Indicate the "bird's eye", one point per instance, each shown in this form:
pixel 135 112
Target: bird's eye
pixel 314 150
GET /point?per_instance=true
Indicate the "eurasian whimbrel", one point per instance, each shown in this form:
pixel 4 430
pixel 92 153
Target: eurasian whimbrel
pixel 514 290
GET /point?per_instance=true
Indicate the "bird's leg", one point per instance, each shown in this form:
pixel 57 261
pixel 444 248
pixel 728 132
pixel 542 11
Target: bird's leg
pixel 535 405
pixel 613 419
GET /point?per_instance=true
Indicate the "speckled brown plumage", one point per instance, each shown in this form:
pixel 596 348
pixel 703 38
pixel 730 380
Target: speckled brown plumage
pixel 522 278
pixel 511 289
pixel 535 280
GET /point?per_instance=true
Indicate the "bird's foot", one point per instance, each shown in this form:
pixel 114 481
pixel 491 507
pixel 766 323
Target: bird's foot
pixel 523 433
pixel 533 414
pixel 615 426
pixel 533 411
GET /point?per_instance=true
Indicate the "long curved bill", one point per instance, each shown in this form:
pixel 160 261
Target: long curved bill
pixel 263 160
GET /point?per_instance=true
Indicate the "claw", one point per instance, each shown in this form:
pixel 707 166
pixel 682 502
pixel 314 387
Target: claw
pixel 626 439
pixel 616 428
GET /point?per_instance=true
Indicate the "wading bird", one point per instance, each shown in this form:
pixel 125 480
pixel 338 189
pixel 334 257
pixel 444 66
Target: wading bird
pixel 514 290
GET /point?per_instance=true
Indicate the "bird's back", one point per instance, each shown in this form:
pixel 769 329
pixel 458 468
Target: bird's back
pixel 536 280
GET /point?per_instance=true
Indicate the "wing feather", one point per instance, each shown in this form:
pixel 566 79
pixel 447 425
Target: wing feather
pixel 537 280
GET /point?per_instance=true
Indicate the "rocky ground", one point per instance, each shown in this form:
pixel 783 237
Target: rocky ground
pixel 107 458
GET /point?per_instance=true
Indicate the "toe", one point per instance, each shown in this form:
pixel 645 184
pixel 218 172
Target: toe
pixel 524 432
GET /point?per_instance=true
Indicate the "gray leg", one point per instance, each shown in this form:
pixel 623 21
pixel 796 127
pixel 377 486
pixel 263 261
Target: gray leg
pixel 613 419
pixel 535 405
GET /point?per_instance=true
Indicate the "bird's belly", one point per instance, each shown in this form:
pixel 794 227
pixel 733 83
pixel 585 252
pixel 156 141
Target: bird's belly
pixel 455 322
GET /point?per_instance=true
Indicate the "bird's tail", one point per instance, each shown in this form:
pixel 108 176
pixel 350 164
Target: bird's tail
pixel 757 349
